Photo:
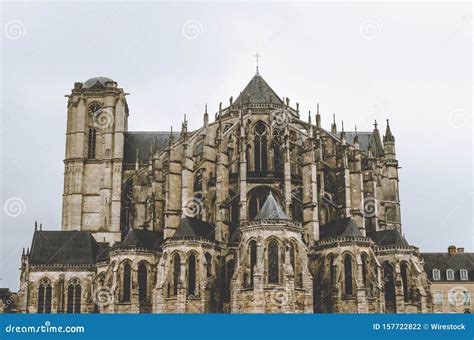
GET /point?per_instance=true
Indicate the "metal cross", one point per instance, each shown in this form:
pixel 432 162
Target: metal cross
pixel 256 57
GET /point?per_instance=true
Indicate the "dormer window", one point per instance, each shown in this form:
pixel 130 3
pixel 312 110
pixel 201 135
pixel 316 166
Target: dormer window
pixel 436 274
pixel 464 275
pixel 450 274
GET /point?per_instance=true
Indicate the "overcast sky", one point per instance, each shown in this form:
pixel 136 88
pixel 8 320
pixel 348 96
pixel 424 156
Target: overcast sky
pixel 407 62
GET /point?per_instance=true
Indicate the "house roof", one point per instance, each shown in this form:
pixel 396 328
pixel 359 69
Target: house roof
pixel 340 228
pixel 271 210
pixel 388 238
pixel 258 91
pixel 64 247
pixel 444 261
pixel 193 227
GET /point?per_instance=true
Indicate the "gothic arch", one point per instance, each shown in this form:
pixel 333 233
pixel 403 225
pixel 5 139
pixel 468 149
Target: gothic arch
pixel 74 296
pixel 192 273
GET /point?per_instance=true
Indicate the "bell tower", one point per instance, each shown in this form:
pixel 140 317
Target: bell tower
pixel 97 115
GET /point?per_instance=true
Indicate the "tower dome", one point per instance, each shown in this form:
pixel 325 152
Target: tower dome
pixel 92 81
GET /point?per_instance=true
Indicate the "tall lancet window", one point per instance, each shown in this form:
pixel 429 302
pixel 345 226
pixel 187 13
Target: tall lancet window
pixel 260 148
pixel 74 297
pixel 127 282
pixel 192 275
pixel 348 275
pixel 92 143
pixel 176 273
pixel 273 262
pixel 253 259
pixel 142 283
pixel 45 295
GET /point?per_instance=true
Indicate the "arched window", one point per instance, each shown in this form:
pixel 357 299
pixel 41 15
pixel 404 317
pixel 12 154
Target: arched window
pixel 464 274
pixel 404 275
pixel 92 143
pixel 192 275
pixel 273 262
pixel 253 259
pixel 436 274
pixel 45 294
pixel 260 148
pixel 176 273
pixel 127 281
pixel 74 297
pixel 348 275
pixel 389 284
pixel 208 265
pixel 278 164
pixel 332 271
pixel 198 180
pixel 296 205
pixel 450 274
pixel 142 282
pixel 364 259
pixel 230 267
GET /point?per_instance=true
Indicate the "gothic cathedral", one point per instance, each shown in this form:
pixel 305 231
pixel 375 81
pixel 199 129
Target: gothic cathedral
pixel 257 211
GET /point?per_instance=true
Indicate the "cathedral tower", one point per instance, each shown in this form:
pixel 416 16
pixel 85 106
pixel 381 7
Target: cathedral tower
pixel 96 123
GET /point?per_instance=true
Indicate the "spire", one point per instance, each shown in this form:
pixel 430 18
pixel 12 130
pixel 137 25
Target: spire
pixel 356 138
pixel 388 134
pixel 184 125
pixel 36 225
pixel 137 163
pixel 343 133
pixel 333 125
pixel 309 117
pixel 206 116
pixel 318 117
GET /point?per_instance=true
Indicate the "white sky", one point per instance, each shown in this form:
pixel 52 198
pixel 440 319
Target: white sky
pixel 414 67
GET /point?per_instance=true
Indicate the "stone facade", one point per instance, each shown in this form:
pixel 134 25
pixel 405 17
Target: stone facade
pixel 258 211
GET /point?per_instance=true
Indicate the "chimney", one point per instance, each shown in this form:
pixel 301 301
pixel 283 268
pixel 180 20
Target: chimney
pixel 452 250
pixel 461 250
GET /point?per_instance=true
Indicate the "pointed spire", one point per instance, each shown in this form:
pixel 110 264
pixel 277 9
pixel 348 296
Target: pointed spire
pixel 388 134
pixel 343 133
pixel 206 116
pixel 36 225
pixel 356 138
pixel 41 226
pixel 23 253
pixel 318 117
pixel 333 125
pixel 137 161
pixel 309 117
pixel 375 125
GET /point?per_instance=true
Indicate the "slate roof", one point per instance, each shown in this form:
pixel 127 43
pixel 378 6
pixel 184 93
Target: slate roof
pixel 92 81
pixel 364 139
pixel 259 92
pixel 142 239
pixel 143 140
pixel 64 247
pixel 388 238
pixel 340 228
pixel 271 210
pixel 192 227
pixel 444 261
